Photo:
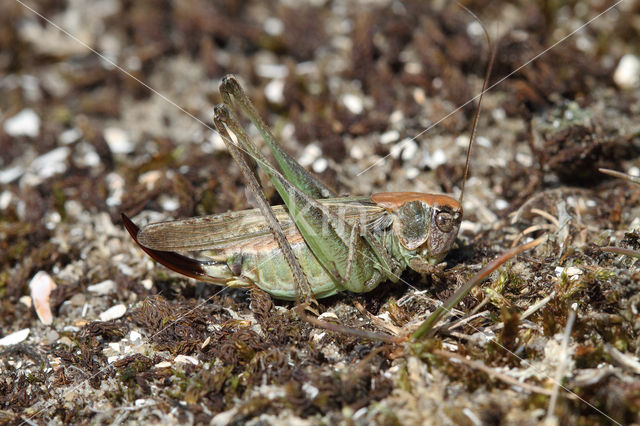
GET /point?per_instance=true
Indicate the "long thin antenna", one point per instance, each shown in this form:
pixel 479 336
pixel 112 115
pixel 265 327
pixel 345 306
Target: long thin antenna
pixel 474 128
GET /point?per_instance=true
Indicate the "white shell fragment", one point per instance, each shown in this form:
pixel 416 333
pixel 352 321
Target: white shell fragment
pixel 186 359
pixel 572 272
pixel 353 103
pixel 41 286
pixel 24 123
pixel 15 338
pixel 627 73
pixel 113 312
pixel 104 287
pixel 52 163
pixel 118 140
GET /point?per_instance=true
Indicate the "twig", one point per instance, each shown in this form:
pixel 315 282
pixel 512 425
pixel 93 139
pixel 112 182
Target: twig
pixel 533 228
pixel 560 371
pixel 620 250
pixel 491 372
pixel 625 361
pixel 546 215
pixel 530 311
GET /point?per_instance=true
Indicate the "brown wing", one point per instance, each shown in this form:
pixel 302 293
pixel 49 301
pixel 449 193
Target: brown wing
pixel 226 229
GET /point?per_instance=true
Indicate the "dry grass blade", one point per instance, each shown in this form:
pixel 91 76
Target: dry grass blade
pixel 620 175
pixel 620 250
pixel 453 357
pixel 426 329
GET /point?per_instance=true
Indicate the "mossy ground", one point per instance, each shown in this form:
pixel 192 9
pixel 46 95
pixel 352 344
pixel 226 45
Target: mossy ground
pixel 356 80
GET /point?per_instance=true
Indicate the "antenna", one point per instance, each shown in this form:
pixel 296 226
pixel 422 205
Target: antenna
pixel 474 128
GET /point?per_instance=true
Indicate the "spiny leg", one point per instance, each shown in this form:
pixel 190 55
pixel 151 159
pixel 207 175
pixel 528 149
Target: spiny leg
pixel 327 243
pixel 290 167
pixel 305 293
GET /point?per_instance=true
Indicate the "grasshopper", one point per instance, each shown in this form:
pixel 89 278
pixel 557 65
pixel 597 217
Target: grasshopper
pixel 317 244
pixel 340 243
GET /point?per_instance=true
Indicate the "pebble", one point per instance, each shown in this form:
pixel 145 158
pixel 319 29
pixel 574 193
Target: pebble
pixel 10 174
pixel 273 26
pixel 168 203
pixel 412 172
pixel 113 312
pixel 103 288
pixel 78 299
pixel 52 163
pixel 434 160
pixel 353 103
pixel 273 71
pixel 147 284
pixel 501 204
pixel 15 338
pixel 572 272
pixel 134 335
pixel 390 136
pixel 24 123
pixel 26 300
pixel 41 286
pixel 65 340
pixel 274 91
pixel 310 154
pixel 118 140
pixel 183 359
pixel 51 337
pixel 70 136
pixel 627 73
pixel 320 165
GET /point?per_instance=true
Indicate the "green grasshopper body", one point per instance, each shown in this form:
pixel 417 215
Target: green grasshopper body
pixel 339 244
pixel 405 224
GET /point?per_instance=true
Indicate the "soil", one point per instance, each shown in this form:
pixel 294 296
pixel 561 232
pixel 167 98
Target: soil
pixel 114 115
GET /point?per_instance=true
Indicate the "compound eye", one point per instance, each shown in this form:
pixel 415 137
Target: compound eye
pixel 444 221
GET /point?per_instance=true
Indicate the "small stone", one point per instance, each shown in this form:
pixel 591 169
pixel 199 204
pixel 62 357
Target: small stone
pixel 102 288
pixel 274 91
pixel 15 338
pixel 272 71
pixel 52 163
pixel 134 336
pixel 206 342
pixel 310 154
pixel 24 123
pixel 118 140
pixel 627 73
pixel 26 301
pixel 353 103
pixel 501 204
pixel 329 316
pixel 390 136
pixel 41 286
pixel 147 284
pixel 273 26
pixel 78 299
pixel 70 136
pixel 51 337
pixel 320 165
pixel 10 174
pixel 168 203
pixel 412 173
pixel 65 340
pixel 113 312
pixel 163 364
pixel 186 359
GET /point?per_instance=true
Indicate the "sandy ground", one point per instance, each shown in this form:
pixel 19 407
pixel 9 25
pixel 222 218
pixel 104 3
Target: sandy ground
pixel 105 107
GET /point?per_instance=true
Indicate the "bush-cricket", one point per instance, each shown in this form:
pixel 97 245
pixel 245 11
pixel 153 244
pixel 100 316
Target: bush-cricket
pixel 316 245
